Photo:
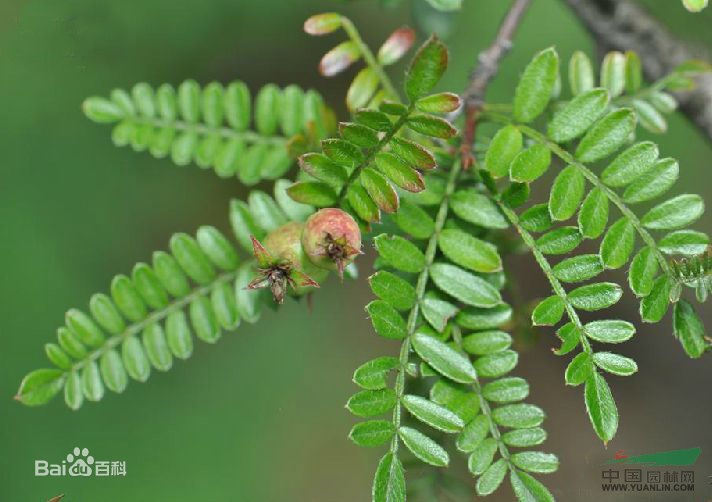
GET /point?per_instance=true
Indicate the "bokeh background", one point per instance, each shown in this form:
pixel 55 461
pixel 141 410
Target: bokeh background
pixel 259 416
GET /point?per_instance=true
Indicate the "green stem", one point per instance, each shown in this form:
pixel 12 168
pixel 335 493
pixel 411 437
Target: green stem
pixel 157 316
pixel 371 152
pixel 370 59
pixel 203 129
pixel 420 293
pixel 595 181
pixel 546 268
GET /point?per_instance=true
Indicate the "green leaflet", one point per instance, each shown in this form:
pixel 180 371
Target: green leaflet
pixel 674 213
pixel 380 190
pixel 615 364
pixel 443 358
pixel 684 242
pixel 536 461
pixel 457 398
pixel 633 72
pixel 536 85
pixel 518 416
pixel 606 136
pixel 650 118
pixel 372 374
pixel 548 312
pixel 400 253
pixel 506 390
pixel 613 72
pixel 505 145
pixel 601 407
pixel 643 270
pixel 368 403
pixel 630 164
pixel 372 433
pixel 689 329
pixel 530 163
pixel 437 311
pixel 40 386
pixel 566 193
pixel 477 208
pixel 579 369
pixel 491 478
pixel 595 296
pixel 464 286
pixel 654 306
pixel 578 268
pixel 433 414
pixel 570 337
pixel 469 252
pixel 528 488
pixel 394 290
pixel 497 364
pixel 536 219
pixel 312 193
pixel 484 318
pixel 423 447
pixel 482 456
pixel 523 438
pixel 614 331
pixel 578 115
pixel 473 434
pixel 486 342
pixel 389 481
pixel 559 241
pixel 618 244
pixel 414 220
pixel 426 69
pixel 593 215
pixel 386 320
pixel 580 73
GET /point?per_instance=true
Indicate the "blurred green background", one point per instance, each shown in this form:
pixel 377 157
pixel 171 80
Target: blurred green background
pixel 258 417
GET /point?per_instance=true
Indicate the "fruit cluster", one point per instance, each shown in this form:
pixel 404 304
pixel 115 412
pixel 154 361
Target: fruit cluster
pixel 299 255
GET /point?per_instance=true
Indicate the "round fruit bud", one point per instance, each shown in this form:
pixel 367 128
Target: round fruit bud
pixel 285 243
pixel 331 239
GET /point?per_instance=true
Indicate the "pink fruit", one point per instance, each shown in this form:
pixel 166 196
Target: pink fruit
pixel 331 239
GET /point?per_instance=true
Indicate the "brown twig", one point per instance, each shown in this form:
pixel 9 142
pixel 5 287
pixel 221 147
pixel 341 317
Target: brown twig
pixel 624 25
pixel 486 68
